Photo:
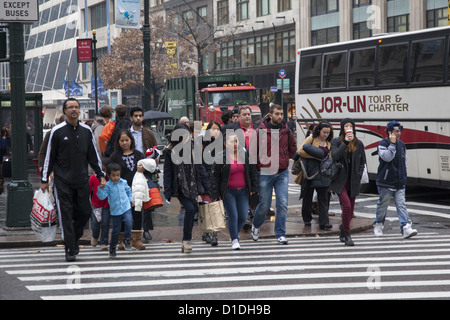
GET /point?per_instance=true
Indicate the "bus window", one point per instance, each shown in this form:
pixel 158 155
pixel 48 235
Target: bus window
pixel 427 61
pixel 393 64
pixel 362 68
pixel 310 68
pixel 334 70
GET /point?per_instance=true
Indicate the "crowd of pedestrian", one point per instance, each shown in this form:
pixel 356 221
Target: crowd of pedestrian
pixel 236 162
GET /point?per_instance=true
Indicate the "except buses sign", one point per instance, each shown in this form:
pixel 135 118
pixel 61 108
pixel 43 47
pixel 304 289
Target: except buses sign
pixel 19 11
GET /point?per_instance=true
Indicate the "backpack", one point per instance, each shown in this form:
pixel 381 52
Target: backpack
pixel 121 123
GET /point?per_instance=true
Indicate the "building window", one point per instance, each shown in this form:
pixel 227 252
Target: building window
pixel 325 36
pixel 398 23
pixel 242 10
pixel 260 51
pixel 98 16
pixel 361 3
pixel 437 18
pixel 188 19
pixel 223 13
pixel 262 7
pixel 284 5
pixel 321 7
pixel 361 31
pixel 201 14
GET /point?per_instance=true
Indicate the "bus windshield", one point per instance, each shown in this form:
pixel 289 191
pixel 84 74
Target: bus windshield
pixel 232 98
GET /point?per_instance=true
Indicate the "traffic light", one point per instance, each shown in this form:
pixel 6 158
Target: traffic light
pixel 2 44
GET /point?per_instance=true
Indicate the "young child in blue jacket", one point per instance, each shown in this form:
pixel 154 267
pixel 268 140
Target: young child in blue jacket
pixel 116 190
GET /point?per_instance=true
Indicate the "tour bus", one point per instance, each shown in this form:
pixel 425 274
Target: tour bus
pixel 403 77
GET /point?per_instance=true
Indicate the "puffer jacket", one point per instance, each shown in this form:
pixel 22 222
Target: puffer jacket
pixel 312 156
pixel 139 187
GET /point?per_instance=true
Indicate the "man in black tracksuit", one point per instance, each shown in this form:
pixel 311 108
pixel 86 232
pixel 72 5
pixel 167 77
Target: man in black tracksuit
pixel 71 148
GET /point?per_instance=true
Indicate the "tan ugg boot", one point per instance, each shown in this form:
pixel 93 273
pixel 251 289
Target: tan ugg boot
pixel 136 239
pixel 186 247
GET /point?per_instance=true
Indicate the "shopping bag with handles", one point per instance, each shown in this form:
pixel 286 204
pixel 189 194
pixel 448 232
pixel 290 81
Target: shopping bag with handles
pixel 43 216
pixel 212 216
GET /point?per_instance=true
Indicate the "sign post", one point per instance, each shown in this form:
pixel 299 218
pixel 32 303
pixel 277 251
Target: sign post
pixel 282 74
pixel 20 190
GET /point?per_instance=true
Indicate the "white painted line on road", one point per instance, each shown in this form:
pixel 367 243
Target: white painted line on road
pixel 234 271
pixel 239 278
pixel 228 290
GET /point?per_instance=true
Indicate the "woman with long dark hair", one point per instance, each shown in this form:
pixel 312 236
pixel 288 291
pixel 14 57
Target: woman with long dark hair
pixel 349 150
pixel 184 179
pixel 314 149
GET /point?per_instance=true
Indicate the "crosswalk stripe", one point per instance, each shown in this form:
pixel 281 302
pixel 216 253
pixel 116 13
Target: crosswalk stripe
pixel 240 278
pixel 363 248
pixel 228 290
pixel 234 271
pixel 305 268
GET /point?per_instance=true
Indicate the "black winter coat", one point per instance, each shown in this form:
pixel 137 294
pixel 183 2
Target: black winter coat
pixel 312 166
pixel 220 175
pixel 358 161
pixel 171 183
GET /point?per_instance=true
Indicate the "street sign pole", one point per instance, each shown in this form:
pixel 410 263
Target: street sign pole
pixel 20 190
pixel 94 59
pixel 282 75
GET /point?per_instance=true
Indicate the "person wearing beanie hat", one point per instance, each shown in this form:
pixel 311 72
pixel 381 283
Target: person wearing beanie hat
pixel 348 150
pixel 391 180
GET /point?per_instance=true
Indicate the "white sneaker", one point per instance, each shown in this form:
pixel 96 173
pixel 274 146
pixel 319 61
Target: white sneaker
pixel 255 233
pixel 282 240
pixel 378 229
pixel 235 244
pixel 408 231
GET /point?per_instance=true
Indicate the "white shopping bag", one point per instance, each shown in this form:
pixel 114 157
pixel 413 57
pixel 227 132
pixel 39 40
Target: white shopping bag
pixel 43 216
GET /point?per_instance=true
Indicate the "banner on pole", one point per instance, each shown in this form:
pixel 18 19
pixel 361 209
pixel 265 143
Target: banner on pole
pixel 128 14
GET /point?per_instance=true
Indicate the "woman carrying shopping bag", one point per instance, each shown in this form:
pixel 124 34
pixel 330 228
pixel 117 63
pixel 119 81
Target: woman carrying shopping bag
pixel 234 181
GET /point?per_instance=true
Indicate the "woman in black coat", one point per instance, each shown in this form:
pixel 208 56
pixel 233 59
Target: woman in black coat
pixel 184 179
pixel 314 149
pixel 350 152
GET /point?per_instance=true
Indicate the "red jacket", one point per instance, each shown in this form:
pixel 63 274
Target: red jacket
pixel 93 186
pixel 287 147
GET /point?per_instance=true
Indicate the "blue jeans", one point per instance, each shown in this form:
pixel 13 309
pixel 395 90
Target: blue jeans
pixel 100 229
pixel 236 205
pixel 127 220
pixel 279 182
pixel 190 208
pixel 400 203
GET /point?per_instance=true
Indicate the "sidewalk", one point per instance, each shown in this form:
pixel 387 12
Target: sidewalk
pixel 167 228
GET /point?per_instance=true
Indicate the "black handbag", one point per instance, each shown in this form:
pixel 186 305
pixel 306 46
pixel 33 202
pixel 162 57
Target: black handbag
pixel 329 168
